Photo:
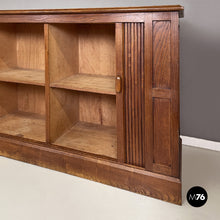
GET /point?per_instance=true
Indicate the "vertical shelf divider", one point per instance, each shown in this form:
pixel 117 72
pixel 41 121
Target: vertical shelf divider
pixel 47 81
pixel 119 45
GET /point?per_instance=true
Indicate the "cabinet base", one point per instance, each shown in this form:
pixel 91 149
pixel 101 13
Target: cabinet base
pixel 96 169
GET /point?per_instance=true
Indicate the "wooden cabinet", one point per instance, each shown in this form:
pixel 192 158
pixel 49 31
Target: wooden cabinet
pixel 94 93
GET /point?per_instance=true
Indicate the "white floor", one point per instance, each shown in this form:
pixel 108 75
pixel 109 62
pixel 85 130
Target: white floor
pixel 29 192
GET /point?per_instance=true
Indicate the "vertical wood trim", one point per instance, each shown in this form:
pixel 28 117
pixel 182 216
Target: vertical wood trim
pixel 142 95
pixel 175 96
pixel 134 98
pixel 126 92
pixel 148 93
pixel 47 81
pixel 119 41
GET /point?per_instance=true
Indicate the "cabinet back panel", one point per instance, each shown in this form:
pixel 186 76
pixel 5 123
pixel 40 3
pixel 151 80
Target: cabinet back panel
pixel 63 47
pixel 8 98
pixel 8 57
pixel 97 49
pixel 162 54
pixel 22 46
pixel 97 109
pixel 30 46
pixel 31 99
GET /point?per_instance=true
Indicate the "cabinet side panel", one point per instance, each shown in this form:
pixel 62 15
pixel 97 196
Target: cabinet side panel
pixel 161 109
pixel 134 95
pixel 161 54
pixel 64 111
pixel 162 93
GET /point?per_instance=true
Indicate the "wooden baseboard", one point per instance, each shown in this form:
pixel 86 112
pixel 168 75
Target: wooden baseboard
pixel 100 170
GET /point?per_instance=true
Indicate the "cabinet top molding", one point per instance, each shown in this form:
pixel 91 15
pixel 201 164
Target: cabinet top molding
pixel 160 8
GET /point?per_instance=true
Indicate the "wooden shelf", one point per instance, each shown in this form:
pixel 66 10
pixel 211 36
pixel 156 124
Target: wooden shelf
pixel 26 125
pixel 33 77
pixel 88 83
pixel 90 138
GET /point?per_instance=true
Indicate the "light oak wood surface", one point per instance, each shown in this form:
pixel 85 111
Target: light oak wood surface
pixel 88 83
pixel 25 125
pixel 91 138
pixel 33 77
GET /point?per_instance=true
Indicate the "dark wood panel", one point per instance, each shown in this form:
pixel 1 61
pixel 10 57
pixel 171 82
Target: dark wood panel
pixel 148 93
pixel 73 18
pixel 161 54
pixel 98 10
pixel 107 172
pixel 162 142
pixel 134 98
pixel 162 93
pixel 175 100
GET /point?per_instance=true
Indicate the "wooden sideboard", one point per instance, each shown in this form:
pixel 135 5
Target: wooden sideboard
pixel 94 93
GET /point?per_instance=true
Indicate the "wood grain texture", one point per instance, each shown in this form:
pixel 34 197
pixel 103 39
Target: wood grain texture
pixel 120 105
pixel 97 109
pixel 88 83
pixel 161 93
pixel 107 172
pixel 22 46
pixel 63 57
pixel 97 49
pixel 74 18
pixel 23 114
pixel 8 56
pixel 81 55
pixel 71 120
pixel 31 99
pixel 91 138
pixel 32 77
pixel 162 56
pixel 69 107
pixel 25 125
pixel 97 10
pixel 175 100
pixel 134 99
pixel 47 82
pixel 30 46
pixel 8 105
pixel 162 114
pixel 148 61
pixel 64 112
pixel 162 139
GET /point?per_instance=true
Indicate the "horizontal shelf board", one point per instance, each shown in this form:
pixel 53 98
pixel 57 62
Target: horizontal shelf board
pixel 25 125
pixel 32 77
pixel 90 138
pixel 88 83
